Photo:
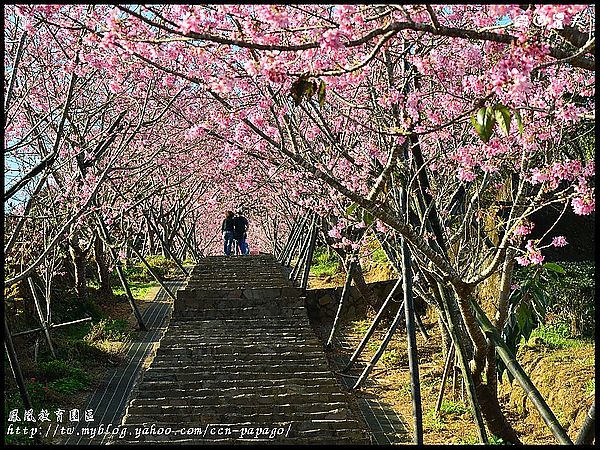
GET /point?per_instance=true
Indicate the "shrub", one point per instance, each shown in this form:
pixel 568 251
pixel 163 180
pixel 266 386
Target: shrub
pixel 54 370
pixel 68 386
pixel 109 330
pixel 573 299
pixel 161 266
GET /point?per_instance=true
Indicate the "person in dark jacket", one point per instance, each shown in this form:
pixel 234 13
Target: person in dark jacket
pixel 240 227
pixel 227 230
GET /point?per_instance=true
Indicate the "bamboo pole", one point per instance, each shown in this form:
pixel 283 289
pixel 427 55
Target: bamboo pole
pixel 385 246
pixel 452 320
pixel 524 381
pixel 156 277
pixel 343 297
pixel 15 366
pixel 106 238
pixel 413 362
pixel 43 322
pixel 301 257
pixel 280 255
pixel 586 435
pixel 421 327
pixel 35 330
pixel 371 364
pixel 449 358
pixel 294 242
pixel 309 256
pixel 372 328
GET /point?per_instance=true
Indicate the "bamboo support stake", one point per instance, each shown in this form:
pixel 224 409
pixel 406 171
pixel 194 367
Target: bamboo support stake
pixel 294 242
pixel 106 238
pixel 15 366
pixel 369 367
pixel 449 358
pixel 413 362
pixel 372 328
pixel 309 257
pixel 166 247
pixel 156 277
pixel 524 381
pixel 421 327
pixel 35 330
pixel 343 297
pixel 43 322
pixel 452 320
pixel 302 257
pixel 282 253
pixel 586 435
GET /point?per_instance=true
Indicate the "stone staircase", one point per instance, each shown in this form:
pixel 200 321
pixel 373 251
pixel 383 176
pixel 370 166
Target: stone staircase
pixel 239 363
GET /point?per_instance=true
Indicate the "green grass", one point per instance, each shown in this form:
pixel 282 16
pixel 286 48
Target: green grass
pixel 449 407
pixel 556 336
pixel 378 256
pixel 590 386
pixel 324 263
pixel 433 422
pixel 361 326
pixel 467 440
pixel 391 358
pixel 139 289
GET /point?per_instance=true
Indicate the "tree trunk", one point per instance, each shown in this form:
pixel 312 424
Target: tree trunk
pixel 78 260
pixel 367 293
pixel 487 394
pixel 102 266
pixel 483 357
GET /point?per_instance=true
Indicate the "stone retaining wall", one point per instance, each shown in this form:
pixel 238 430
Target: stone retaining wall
pixel 322 304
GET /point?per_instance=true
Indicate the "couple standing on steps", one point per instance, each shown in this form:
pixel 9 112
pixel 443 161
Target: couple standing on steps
pixel 234 233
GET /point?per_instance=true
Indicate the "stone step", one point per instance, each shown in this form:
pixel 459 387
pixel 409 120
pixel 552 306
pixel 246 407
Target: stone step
pixel 275 348
pixel 263 338
pixel 147 393
pixel 259 294
pixel 218 302
pixel 257 312
pixel 239 350
pixel 223 384
pixel 226 406
pixel 274 323
pixel 243 367
pixel 240 339
pixel 165 375
pixel 246 363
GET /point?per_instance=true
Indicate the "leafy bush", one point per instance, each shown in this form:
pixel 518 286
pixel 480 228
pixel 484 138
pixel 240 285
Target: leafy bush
pixel 68 386
pixel 573 298
pixel 54 370
pixel 109 330
pixel 161 266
